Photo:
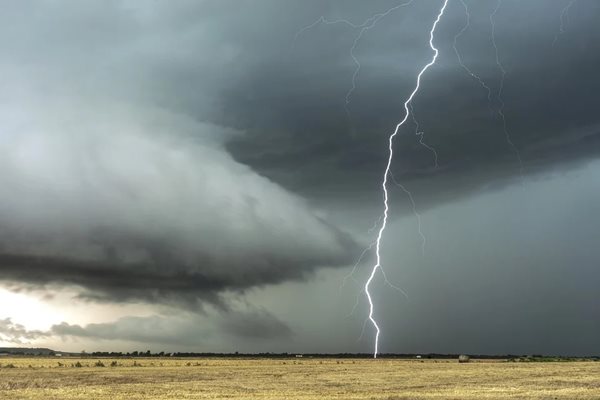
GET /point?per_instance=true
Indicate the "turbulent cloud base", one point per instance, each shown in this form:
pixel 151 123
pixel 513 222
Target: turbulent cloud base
pixel 132 206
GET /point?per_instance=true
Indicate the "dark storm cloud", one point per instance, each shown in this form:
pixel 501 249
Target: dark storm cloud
pixel 295 108
pixel 161 277
pixel 239 65
pixel 111 185
pixel 133 135
pixel 150 330
pixel 129 214
pixel 257 325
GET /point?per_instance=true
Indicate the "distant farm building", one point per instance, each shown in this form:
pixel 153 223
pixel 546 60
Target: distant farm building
pixel 463 358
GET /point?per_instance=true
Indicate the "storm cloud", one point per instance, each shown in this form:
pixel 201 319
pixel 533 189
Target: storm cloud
pixel 549 92
pixel 17 333
pixel 126 211
pixel 189 154
pixel 187 329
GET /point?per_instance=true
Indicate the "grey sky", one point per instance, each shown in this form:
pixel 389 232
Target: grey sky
pixel 199 158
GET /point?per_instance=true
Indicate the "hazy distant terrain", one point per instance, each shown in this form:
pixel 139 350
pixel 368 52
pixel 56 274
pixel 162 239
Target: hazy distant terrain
pixel 293 378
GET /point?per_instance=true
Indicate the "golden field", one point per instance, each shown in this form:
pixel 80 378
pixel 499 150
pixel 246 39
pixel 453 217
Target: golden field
pixel 302 378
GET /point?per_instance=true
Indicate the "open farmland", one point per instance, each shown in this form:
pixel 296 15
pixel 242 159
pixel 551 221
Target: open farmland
pixel 306 378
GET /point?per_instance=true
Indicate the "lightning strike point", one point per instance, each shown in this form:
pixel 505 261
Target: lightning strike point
pixel 377 265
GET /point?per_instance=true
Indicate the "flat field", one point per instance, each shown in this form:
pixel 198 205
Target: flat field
pixel 303 378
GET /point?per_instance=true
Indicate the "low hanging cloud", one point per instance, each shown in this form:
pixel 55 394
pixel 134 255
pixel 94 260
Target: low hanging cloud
pixel 141 204
pixel 180 329
pixel 13 332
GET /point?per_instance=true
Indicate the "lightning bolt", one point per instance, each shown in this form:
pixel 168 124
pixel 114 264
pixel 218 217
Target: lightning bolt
pixel 323 20
pixel 377 266
pixel 501 89
pixel 369 248
pixel 563 15
pixel 458 56
pixel 355 267
pixel 421 135
pixel 484 85
pixel 409 112
pixel 363 27
pixel 415 212
pixel 367 24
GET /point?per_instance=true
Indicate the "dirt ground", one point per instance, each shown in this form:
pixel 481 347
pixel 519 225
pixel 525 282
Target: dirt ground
pixel 305 378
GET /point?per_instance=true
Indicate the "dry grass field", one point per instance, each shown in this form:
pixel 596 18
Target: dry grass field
pixel 306 378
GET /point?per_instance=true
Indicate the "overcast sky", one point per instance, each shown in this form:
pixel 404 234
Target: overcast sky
pixel 205 175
